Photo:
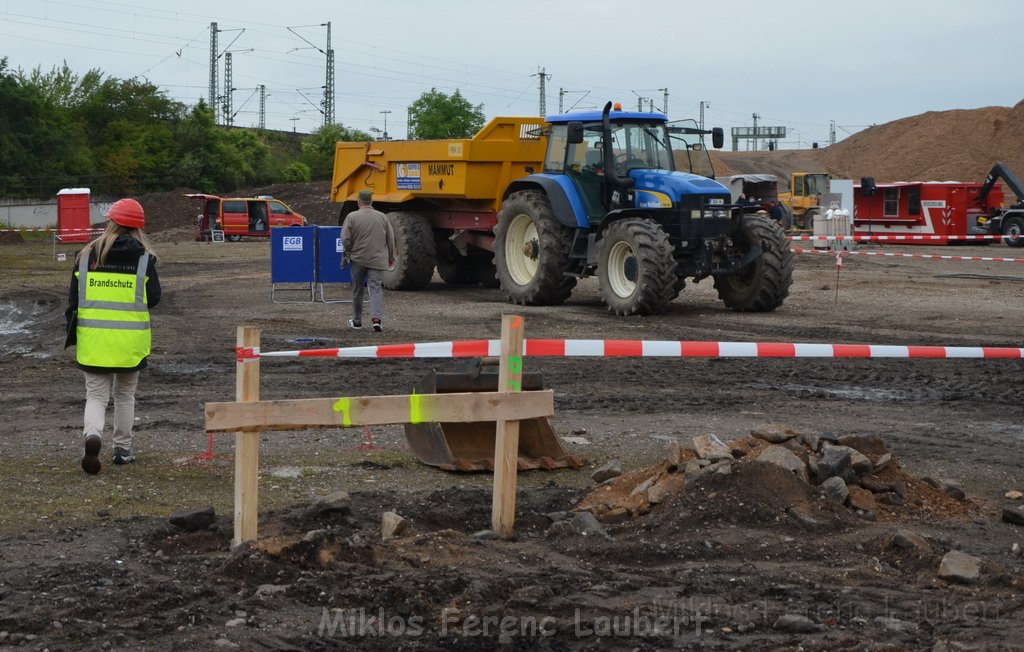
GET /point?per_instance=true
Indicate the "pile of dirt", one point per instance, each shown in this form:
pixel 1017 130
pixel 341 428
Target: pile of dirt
pixel 958 145
pixel 778 476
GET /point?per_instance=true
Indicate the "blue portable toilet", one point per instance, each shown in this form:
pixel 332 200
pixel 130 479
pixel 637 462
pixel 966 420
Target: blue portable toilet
pixel 293 260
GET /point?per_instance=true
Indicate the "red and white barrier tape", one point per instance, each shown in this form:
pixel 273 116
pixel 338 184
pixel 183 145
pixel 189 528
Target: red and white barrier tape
pixel 49 230
pixel 905 237
pixel 645 348
pixel 987 259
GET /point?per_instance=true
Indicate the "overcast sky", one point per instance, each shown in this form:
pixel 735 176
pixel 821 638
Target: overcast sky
pixel 802 64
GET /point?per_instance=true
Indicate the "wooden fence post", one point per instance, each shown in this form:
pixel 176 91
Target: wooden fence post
pixel 247 443
pixel 506 442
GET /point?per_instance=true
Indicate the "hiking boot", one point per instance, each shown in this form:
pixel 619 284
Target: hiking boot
pixel 377 326
pixel 123 455
pixel 352 323
pixel 91 459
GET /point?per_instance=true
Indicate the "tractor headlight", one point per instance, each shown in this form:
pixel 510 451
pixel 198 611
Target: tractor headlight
pixel 718 213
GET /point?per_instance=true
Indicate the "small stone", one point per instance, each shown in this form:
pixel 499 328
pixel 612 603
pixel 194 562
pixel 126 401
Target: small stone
pixel 895 624
pixel 391 525
pixel 780 456
pixel 193 520
pixel 555 517
pixel 225 643
pixel 835 490
pixel 338 501
pixel 860 463
pixel 235 622
pixel 775 433
pixel 1013 515
pixel 610 470
pixel 586 524
pixel 883 461
pixel 910 540
pixel 953 489
pixel 485 535
pixel 710 447
pixel 861 499
pixel 890 498
pixel 616 515
pixel 665 487
pixel 871 445
pixel 1014 550
pixel 643 486
pixel 560 530
pixel 834 460
pixel 957 566
pixel 1013 495
pixel 899 487
pixel 875 485
pixel 266 590
pixel 797 624
pixel 673 455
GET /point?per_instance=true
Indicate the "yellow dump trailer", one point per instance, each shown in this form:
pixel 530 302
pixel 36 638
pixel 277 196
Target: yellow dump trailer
pixel 442 196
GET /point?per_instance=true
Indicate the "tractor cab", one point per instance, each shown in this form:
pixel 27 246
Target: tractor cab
pixel 628 160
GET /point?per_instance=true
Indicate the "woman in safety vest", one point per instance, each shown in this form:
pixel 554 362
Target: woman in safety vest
pixel 112 289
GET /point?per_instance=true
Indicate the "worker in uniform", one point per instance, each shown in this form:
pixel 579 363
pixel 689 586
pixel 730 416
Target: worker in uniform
pixel 113 286
pixel 368 244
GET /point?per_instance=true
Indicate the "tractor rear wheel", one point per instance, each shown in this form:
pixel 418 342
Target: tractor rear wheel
pixel 636 269
pixel 531 251
pixel 1013 229
pixel 763 284
pixel 414 253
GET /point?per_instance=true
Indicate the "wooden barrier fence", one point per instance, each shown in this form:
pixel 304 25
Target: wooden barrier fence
pixel 247 416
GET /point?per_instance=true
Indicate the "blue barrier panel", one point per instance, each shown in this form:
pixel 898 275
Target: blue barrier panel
pixel 293 259
pixel 328 261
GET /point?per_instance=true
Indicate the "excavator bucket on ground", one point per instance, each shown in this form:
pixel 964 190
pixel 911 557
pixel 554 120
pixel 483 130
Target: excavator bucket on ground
pixel 470 446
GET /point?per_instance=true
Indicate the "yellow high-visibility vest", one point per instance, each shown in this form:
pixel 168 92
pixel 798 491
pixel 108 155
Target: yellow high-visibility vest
pixel 113 318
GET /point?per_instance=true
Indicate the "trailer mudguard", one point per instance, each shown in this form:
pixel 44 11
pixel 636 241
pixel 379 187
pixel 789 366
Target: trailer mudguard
pixel 565 200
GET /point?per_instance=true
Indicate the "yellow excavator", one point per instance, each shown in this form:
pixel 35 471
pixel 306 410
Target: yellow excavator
pixel 803 201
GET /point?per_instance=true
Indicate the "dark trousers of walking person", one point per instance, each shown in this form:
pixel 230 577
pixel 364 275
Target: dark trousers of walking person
pixel 363 279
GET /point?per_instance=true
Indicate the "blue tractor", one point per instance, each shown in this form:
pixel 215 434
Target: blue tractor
pixel 631 197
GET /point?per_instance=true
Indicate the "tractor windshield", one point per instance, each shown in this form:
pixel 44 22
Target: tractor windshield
pixel 640 145
pixel 688 147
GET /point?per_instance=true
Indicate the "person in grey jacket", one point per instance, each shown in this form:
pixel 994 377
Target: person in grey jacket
pixel 368 243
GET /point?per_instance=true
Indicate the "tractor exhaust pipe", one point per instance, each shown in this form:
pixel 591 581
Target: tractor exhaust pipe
pixel 609 155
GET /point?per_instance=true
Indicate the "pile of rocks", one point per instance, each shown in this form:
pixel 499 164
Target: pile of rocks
pixel 853 470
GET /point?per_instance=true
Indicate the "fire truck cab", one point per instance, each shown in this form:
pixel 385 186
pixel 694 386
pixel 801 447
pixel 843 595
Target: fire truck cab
pixel 240 217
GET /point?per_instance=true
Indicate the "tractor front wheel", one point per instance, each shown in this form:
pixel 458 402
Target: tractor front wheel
pixel 762 284
pixel 531 251
pixel 636 269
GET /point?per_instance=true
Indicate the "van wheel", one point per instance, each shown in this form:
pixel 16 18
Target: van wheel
pixel 235 238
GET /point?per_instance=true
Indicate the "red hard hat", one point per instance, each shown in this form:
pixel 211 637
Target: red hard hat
pixel 128 213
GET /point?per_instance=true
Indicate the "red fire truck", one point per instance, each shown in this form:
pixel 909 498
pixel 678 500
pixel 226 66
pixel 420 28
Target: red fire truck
pixel 939 208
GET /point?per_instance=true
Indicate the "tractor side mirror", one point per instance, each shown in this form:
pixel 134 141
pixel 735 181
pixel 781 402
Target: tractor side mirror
pixel 718 137
pixel 867 186
pixel 575 134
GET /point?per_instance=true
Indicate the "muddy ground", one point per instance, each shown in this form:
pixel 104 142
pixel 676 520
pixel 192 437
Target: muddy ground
pixel 91 562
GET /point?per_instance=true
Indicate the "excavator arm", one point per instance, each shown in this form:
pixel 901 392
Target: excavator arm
pixel 1000 171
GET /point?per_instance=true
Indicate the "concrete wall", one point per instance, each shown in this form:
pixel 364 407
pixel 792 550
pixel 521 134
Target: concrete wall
pixel 28 214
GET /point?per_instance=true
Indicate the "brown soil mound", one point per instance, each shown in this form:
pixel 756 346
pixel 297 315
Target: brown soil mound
pixel 958 145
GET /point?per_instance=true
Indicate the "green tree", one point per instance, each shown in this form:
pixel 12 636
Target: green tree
pixel 318 147
pixel 436 115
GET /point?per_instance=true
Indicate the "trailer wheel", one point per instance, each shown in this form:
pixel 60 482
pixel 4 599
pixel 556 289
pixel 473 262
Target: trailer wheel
pixel 636 269
pixel 1013 229
pixel 414 253
pixel 452 266
pixel 763 284
pixel 531 251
